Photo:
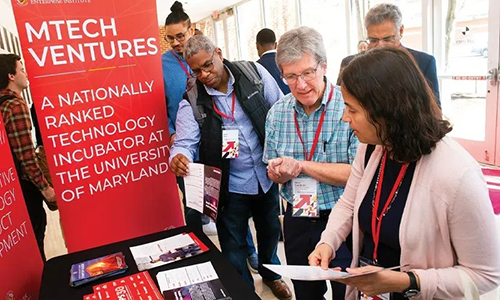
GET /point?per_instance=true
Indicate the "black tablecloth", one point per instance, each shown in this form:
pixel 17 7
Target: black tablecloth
pixel 56 272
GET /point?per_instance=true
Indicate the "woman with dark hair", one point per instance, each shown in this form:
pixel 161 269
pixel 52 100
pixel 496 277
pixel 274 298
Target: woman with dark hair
pixel 415 197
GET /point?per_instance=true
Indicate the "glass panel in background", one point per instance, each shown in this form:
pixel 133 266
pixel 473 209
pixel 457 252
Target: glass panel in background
pixel 331 22
pixel 250 23
pixel 281 15
pixel 232 41
pixel 463 98
pixel 207 27
pixel 219 33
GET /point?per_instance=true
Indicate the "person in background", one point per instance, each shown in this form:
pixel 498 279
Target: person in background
pixel 16 117
pixel 415 197
pixel 362 46
pixel 384 26
pixel 223 119
pixel 266 48
pixel 178 31
pixel 176 71
pixel 308 148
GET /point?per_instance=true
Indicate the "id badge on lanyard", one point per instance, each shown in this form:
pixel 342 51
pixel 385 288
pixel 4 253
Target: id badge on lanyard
pixel 230 133
pixel 230 141
pixel 305 197
pixel 305 190
pixel 363 262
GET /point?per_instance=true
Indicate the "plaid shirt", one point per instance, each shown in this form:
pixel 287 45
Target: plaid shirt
pixel 337 142
pixel 16 116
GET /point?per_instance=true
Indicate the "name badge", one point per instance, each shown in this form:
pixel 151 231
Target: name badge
pixel 378 297
pixel 230 142
pixel 305 198
pixel 363 262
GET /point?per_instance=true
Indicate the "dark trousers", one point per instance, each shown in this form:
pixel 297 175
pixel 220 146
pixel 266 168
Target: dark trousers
pixel 232 228
pixel 301 237
pixel 193 217
pixel 34 203
pixel 251 245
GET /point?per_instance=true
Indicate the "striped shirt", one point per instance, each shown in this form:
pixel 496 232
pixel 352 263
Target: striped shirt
pixel 337 142
pixel 16 117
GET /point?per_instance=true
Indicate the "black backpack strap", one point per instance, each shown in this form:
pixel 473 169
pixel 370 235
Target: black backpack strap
pixel 191 95
pixel 368 154
pixel 249 69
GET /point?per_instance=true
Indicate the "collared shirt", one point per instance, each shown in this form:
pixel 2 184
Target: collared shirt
pixel 337 142
pixel 269 51
pixel 268 61
pixel 16 117
pixel 248 170
pixel 174 81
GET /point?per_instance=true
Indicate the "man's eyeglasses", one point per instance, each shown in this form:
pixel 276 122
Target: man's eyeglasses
pixel 207 67
pixel 180 37
pixel 387 39
pixel 307 75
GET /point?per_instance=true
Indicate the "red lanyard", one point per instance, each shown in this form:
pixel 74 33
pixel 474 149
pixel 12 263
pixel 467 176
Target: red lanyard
pixel 180 63
pixel 221 113
pixel 318 130
pixel 378 186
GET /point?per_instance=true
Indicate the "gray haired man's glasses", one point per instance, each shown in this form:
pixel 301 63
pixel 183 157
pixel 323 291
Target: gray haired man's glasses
pixel 207 67
pixel 307 75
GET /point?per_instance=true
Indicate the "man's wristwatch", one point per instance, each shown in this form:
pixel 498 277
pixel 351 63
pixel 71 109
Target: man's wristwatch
pixel 413 289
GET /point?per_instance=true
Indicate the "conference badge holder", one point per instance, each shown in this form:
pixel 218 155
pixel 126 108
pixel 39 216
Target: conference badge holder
pixel 363 262
pixel 305 197
pixel 230 141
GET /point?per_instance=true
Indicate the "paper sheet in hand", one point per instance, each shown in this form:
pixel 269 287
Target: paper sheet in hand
pixel 310 273
pixel 305 272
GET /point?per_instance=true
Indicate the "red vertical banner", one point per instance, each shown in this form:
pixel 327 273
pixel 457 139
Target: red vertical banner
pixel 21 264
pixel 96 81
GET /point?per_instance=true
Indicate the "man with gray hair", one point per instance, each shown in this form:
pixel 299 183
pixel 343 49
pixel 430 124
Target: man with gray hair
pixel 223 115
pixel 309 150
pixel 384 27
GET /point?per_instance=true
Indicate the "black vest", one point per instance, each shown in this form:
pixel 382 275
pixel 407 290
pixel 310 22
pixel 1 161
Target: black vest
pixel 255 107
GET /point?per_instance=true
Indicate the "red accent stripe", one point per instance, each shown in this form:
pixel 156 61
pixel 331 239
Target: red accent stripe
pixel 494 194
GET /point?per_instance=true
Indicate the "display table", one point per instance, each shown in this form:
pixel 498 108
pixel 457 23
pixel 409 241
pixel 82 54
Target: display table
pixel 55 280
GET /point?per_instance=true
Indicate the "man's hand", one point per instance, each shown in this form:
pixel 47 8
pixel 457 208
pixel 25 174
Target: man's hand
pixel 273 169
pixel 49 194
pixel 290 168
pixel 283 169
pixel 172 139
pixel 179 165
pixel 321 256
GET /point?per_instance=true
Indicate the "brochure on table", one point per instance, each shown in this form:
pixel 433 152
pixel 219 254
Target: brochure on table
pixel 192 283
pixel 168 250
pixel 90 270
pixel 202 186
pixel 138 286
